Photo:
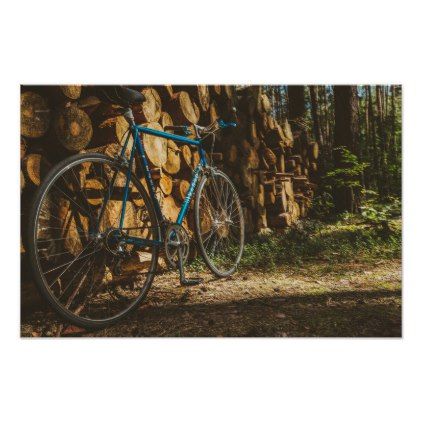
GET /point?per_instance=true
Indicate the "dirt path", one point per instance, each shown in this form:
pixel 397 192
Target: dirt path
pixel 318 299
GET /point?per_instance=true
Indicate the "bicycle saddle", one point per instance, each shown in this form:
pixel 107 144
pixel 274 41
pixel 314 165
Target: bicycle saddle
pixel 119 95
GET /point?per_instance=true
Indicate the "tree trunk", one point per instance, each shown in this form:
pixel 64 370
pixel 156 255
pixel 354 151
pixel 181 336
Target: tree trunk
pixel 346 134
pixel 297 114
pixel 382 136
pixel 315 116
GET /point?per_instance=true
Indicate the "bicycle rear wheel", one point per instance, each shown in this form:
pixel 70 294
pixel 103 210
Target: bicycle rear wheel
pixel 81 265
pixel 219 224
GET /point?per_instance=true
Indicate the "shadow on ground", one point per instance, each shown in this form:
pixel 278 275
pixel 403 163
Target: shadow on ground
pixel 369 313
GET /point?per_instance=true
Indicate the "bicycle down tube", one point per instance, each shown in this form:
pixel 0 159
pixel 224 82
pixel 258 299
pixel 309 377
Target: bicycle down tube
pixel 138 145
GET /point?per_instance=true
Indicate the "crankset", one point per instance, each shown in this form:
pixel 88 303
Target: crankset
pixel 176 247
pixel 176 238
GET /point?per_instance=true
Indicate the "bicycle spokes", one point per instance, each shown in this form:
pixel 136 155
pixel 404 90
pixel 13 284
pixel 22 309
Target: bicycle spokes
pixel 82 256
pixel 220 223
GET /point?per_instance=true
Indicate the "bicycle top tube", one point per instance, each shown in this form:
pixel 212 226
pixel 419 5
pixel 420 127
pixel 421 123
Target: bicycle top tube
pixel 167 135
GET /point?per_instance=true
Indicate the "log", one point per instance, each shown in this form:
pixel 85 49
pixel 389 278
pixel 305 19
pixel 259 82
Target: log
pixel 35 115
pixel 112 215
pixel 231 155
pixel 150 110
pixel 197 113
pixel 249 99
pixel 166 184
pixel 35 168
pixel 214 113
pixel 180 189
pixel 269 186
pixel 269 156
pixel 199 94
pixel 270 198
pixel 89 104
pixel 22 181
pixel 281 164
pixel 93 190
pixel 229 92
pixel 280 220
pixel 252 130
pixel 172 164
pixel 281 200
pixel 313 150
pixel 23 147
pixel 287 132
pixel 271 122
pixel 204 97
pixel 138 262
pixel 165 92
pixel 264 104
pixel 73 128
pixel 166 120
pixel 105 132
pixel 63 93
pixel 71 91
pixel 185 157
pixel 296 211
pixel 262 223
pixel 136 197
pixel 274 137
pixel 169 208
pixel 296 158
pixel 288 187
pixel 182 109
pixel 263 163
pixel 122 128
pixel 217 157
pixel 215 90
pixel 249 220
pixel 249 162
pixel 155 147
pixel 261 195
pixel 291 165
pixel 195 159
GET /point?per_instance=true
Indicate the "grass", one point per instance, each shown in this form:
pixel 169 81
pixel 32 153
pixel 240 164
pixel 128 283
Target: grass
pixel 341 241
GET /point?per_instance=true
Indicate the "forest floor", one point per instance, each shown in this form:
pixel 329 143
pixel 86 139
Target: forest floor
pixel 318 300
pixel 319 280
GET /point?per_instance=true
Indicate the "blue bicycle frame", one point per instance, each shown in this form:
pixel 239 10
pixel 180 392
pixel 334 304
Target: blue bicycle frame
pixel 138 145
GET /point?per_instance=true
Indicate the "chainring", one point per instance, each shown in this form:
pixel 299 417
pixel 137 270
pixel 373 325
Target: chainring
pixel 176 235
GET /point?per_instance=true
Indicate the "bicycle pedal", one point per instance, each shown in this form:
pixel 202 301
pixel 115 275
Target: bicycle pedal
pixel 191 281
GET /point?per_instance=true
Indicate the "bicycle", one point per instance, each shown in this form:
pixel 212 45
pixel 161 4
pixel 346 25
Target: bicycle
pixel 91 267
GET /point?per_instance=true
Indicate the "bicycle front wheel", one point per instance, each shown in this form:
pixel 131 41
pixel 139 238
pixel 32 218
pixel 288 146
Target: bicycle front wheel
pixel 81 262
pixel 219 224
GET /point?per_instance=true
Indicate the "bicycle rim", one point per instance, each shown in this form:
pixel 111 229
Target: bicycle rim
pixel 78 265
pixel 219 223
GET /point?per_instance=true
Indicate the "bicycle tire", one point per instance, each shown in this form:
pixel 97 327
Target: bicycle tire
pixel 37 202
pixel 198 207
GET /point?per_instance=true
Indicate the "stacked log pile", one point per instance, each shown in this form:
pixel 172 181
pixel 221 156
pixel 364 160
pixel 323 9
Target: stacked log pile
pixel 274 178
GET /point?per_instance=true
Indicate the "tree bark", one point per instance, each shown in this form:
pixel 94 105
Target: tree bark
pixel 346 134
pixel 315 115
pixel 297 114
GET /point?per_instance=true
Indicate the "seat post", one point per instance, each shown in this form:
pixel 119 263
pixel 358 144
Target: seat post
pixel 128 115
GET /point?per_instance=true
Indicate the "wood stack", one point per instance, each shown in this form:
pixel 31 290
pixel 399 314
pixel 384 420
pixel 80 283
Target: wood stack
pixel 274 183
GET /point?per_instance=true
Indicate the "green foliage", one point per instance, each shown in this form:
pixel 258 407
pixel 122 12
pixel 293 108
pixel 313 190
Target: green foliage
pixel 380 213
pixel 348 172
pixel 350 238
pixel 322 206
